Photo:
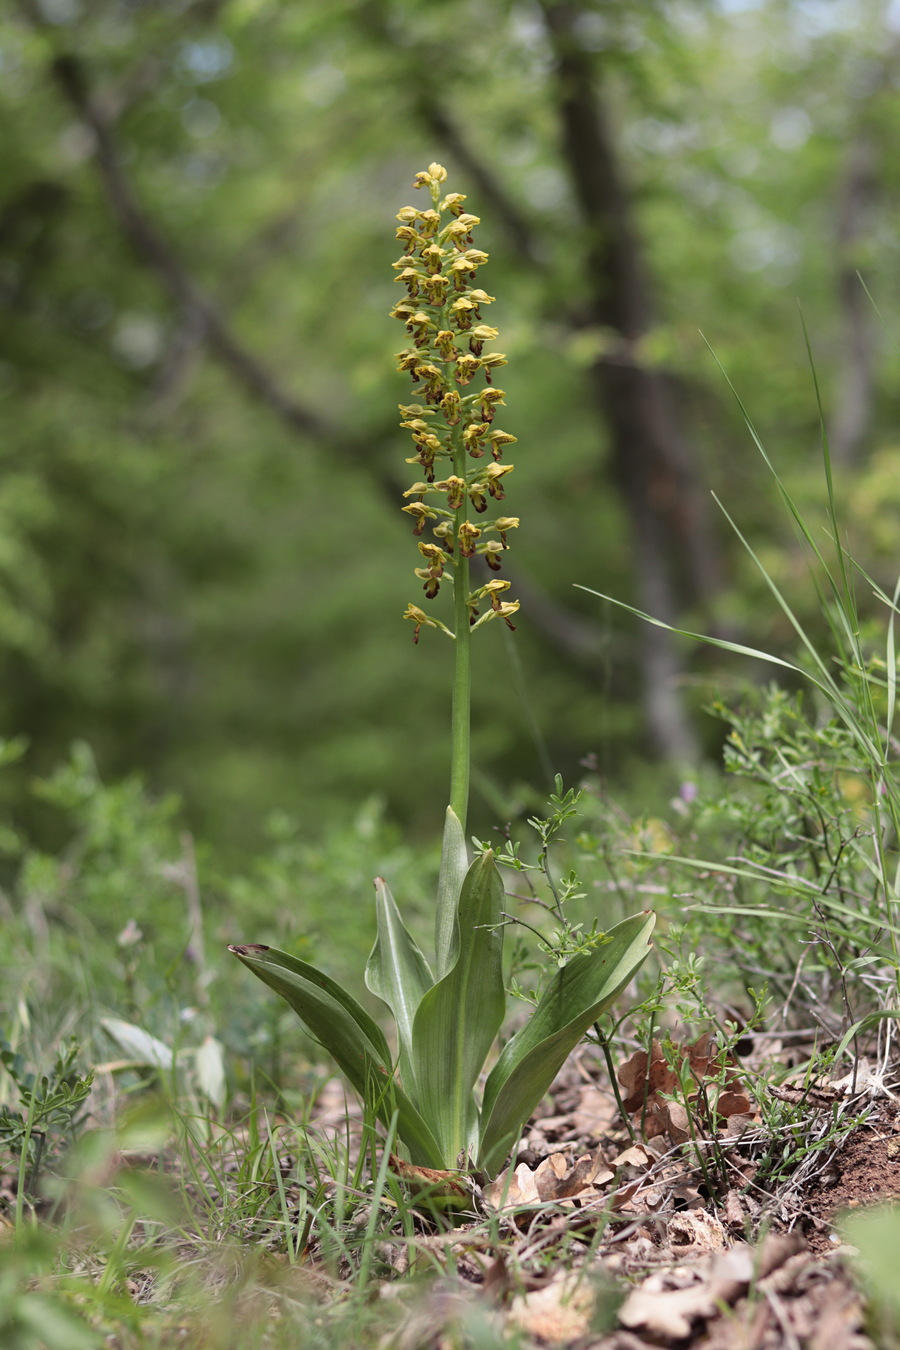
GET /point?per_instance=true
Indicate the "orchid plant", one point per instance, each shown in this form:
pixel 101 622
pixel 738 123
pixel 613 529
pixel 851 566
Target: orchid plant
pixel 449 1013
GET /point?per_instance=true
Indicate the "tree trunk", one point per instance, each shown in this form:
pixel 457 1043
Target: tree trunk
pixel 675 557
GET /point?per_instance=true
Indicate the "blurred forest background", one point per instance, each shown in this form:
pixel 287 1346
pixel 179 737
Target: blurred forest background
pixel 203 563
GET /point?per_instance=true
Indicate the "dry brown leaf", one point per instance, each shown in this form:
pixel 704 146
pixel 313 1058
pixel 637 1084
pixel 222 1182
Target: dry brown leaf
pixel 636 1155
pixel 695 1232
pixel 651 1086
pixel 739 1123
pixel 438 1183
pixel 670 1313
pixel 735 1214
pixel 558 1313
pixel 508 1192
pixel 639 1077
pixel 548 1174
pixel 552 1180
pixel 596 1113
pixel 677 1122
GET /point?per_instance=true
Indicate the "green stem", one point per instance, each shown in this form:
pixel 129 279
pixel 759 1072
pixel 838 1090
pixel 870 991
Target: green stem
pixel 603 1042
pixel 462 691
pixel 461 723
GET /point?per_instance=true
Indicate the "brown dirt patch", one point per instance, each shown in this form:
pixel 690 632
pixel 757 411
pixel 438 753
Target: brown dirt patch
pixel 865 1169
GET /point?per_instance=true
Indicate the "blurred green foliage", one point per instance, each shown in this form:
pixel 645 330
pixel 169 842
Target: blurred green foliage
pixel 196 585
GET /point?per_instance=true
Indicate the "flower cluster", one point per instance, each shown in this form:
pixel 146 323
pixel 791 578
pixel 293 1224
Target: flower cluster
pixel 458 447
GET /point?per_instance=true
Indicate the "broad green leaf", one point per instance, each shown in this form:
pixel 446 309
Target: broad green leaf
pixel 138 1043
pixel 46 1321
pixel 454 865
pixel 579 992
pixel 349 1035
pixel 210 1063
pixel 460 1016
pixel 398 974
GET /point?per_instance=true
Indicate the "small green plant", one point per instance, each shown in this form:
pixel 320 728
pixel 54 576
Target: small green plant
pixel 449 1013
pixel 45 1118
pixel 820 822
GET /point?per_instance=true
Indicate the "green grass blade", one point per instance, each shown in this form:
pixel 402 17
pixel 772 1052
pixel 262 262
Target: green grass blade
pixel 891 665
pixel 460 1016
pixel 823 682
pixel 789 885
pixel 829 478
pixel 454 865
pixel 580 991
pixel 737 647
pixel 827 684
pixel 349 1034
pixel 786 497
pixel 397 973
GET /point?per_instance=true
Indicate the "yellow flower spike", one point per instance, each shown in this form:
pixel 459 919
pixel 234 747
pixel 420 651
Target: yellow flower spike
pixel 498 439
pixel 429 446
pixel 435 287
pixel 420 514
pixel 445 344
pixel 467 535
pixel 464 311
pixel 423 620
pixel 453 203
pixel 462 267
pixel 418 325
pixel 430 583
pixel 455 489
pixel 450 407
pixel 429 222
pixel 492 590
pixel 433 258
pixel 442 315
pixel 459 231
pixel 466 368
pixel 408 237
pixel 491 550
pixel 491 362
pixel 504 611
pixel 487 399
pixel 501 525
pixel 479 336
pixel 411 277
pixel 473 436
pixel 492 475
pixel 434 556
